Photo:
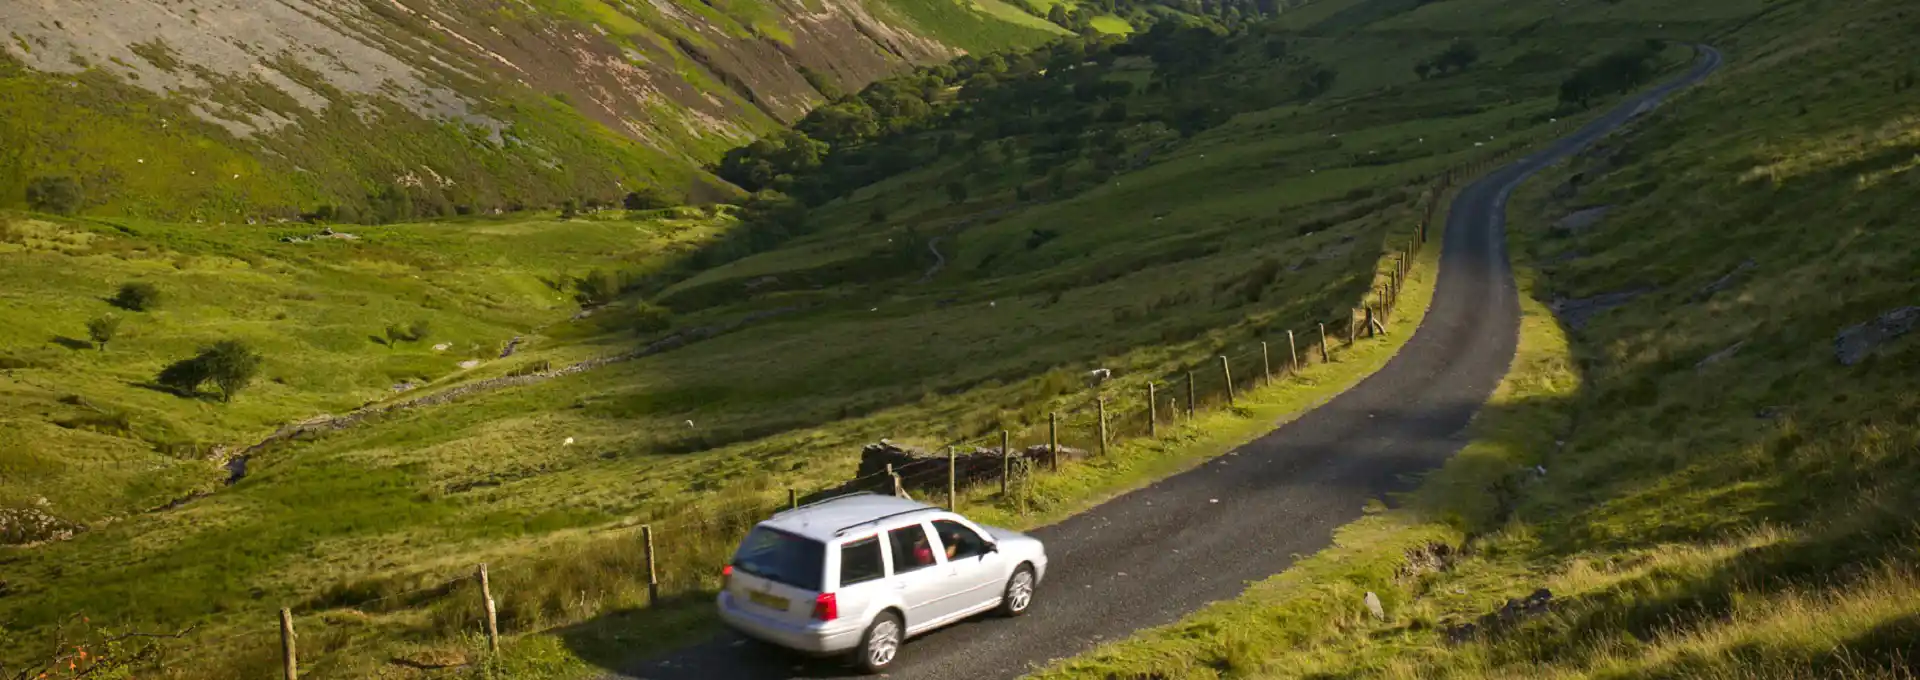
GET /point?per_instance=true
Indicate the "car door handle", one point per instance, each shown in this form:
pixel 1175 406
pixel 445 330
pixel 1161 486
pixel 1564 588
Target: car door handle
pixel 899 585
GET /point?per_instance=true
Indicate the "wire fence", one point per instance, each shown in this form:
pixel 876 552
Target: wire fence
pixel 677 557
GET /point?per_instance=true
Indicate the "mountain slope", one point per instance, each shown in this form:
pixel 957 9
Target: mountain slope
pixel 221 111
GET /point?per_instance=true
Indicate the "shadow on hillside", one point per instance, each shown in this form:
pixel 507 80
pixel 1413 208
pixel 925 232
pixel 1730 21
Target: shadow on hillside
pixel 75 344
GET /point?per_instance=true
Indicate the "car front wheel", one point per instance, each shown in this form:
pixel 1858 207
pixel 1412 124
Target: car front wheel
pixel 1019 594
pixel 881 644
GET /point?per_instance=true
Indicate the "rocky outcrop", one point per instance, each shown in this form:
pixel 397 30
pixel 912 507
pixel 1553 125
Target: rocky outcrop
pixel 1856 342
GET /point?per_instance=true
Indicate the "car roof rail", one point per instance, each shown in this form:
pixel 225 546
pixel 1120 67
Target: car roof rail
pixel 828 499
pixel 843 530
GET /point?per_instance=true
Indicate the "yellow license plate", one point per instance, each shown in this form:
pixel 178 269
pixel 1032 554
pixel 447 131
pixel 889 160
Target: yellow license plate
pixel 767 600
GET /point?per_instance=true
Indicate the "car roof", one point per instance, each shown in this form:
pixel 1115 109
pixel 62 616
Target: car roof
pixel 823 520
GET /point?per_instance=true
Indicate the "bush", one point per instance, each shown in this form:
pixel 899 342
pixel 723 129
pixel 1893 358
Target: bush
pixel 137 296
pixel 647 198
pixel 57 195
pixel 651 318
pixel 102 330
pixel 598 287
pixel 413 332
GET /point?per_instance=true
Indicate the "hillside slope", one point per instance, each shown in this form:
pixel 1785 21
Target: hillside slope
pixel 1702 464
pixel 216 110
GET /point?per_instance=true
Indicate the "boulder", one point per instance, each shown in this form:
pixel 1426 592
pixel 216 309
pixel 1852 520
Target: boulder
pixel 1855 342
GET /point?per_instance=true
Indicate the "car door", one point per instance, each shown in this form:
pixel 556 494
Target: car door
pixel 975 572
pixel 916 574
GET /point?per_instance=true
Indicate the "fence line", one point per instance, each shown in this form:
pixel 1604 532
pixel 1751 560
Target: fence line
pixel 1126 417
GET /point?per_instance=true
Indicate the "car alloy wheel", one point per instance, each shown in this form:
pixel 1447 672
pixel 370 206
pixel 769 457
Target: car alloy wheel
pixel 882 643
pixel 1019 593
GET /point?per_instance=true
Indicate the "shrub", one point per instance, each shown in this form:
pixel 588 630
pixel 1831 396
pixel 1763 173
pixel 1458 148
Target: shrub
pixel 137 296
pixel 597 287
pixel 651 318
pixel 413 332
pixel 102 330
pixel 647 198
pixel 57 195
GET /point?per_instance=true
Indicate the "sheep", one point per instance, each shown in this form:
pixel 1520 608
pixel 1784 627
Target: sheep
pixel 1098 375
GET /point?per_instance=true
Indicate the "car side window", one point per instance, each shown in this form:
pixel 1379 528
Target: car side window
pixel 860 562
pixel 959 541
pixel 911 549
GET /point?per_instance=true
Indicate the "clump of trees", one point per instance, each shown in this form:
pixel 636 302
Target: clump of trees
pixel 1615 73
pixel 136 296
pixel 229 364
pixel 57 195
pixel 1458 56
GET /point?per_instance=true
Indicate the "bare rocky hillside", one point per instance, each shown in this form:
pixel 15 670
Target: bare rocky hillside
pixel 456 103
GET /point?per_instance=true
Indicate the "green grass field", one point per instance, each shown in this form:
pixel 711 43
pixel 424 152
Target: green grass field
pixel 1723 499
pixel 1149 274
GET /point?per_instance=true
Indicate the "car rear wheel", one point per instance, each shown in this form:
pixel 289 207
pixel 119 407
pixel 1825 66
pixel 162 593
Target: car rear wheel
pixel 1019 594
pixel 881 644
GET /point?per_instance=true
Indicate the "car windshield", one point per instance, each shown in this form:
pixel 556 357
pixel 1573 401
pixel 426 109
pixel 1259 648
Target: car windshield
pixel 782 558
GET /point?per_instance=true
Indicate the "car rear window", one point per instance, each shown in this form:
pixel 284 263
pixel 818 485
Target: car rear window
pixel 782 558
pixel 860 562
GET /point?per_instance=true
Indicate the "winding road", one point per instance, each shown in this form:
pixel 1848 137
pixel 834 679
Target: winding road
pixel 1153 555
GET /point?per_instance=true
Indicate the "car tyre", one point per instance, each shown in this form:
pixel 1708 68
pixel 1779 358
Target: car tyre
pixel 1018 596
pixel 880 645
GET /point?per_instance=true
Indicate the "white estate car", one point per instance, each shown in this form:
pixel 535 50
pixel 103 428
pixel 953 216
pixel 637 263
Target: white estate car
pixel 860 573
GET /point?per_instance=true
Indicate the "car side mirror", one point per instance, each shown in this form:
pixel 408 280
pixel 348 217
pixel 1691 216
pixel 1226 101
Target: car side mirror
pixel 993 547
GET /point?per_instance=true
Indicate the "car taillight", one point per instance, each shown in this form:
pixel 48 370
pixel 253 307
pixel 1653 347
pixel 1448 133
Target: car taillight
pixel 826 607
pixel 726 576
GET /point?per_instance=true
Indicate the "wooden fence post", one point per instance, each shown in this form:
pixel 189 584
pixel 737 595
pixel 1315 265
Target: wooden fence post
pixel 1191 401
pixel 286 645
pixel 653 576
pixel 793 499
pixel 1006 460
pixel 899 491
pixel 1227 374
pixel 1153 412
pixel 1053 442
pixel 1324 356
pixel 1102 404
pixel 493 619
pixel 1293 352
pixel 1369 321
pixel 953 475
pixel 1351 335
pixel 1266 366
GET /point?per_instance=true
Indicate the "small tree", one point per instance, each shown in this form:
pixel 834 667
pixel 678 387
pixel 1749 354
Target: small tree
pixel 137 296
pixel 957 190
pixel 1423 69
pixel 58 195
pixel 102 330
pixel 569 209
pixel 651 318
pixel 231 365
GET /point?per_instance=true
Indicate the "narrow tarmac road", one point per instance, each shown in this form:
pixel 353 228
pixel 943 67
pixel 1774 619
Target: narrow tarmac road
pixel 1151 556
